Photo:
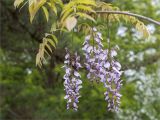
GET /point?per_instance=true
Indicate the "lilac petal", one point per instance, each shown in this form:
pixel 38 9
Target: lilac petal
pixel 87 37
pixel 116 70
pixel 92 70
pixel 113 53
pixel 74 79
pixel 100 35
pixel 67 106
pixel 97 66
pixel 106 93
pixel 97 40
pixel 68 71
pixel 106 98
pixel 85 47
pixel 79 82
pixel 88 66
pixel 75 105
pixel 118 95
pixel 69 101
pixel 66 97
pixel 77 58
pixel 67 56
pixel 88 75
pixel 102 77
pixel 107 65
pixel 79 87
pixel 77 74
pixel 89 49
pixel 118 65
pixel 78 65
pixel 94 29
pixel 92 60
pixel 66 61
pixel 66 76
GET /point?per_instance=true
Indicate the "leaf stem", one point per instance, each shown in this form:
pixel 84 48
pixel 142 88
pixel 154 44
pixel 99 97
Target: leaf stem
pixel 130 14
pixel 108 40
pixel 108 32
pixel 72 38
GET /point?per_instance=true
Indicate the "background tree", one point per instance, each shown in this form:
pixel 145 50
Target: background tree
pixel 39 92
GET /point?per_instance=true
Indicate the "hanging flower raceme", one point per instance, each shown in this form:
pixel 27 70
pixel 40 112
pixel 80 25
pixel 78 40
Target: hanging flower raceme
pixel 72 81
pixel 93 52
pixel 112 81
pixel 101 66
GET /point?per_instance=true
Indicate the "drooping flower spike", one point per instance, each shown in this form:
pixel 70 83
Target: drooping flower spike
pixel 113 82
pixel 92 54
pixel 72 81
pixel 102 67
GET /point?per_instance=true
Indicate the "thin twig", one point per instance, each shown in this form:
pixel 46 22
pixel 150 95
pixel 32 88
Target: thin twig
pixel 130 14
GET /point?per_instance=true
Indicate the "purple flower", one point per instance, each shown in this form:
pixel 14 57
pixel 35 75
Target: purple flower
pixel 72 81
pixel 113 83
pixel 94 54
pixel 101 66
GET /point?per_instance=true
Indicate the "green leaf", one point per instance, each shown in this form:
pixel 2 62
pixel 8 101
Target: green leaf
pixel 17 3
pixel 52 6
pixel 55 38
pixel 46 42
pixel 51 42
pixel 46 13
pixel 53 27
pixel 85 8
pixel 86 2
pixel 84 15
pixel 34 7
pixel 59 2
pixel 66 14
pixel 49 47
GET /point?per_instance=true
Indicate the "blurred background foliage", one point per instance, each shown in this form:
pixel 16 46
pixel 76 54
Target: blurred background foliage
pixel 27 92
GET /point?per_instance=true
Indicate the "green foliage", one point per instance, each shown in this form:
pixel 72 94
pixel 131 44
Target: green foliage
pixel 34 6
pixel 42 48
pixel 17 3
pixel 77 8
pixel 46 12
pixel 70 14
pixel 31 93
pixel 116 17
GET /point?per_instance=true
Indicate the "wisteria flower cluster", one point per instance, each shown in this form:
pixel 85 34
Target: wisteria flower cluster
pixel 72 81
pixel 93 54
pixel 112 82
pixel 101 66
